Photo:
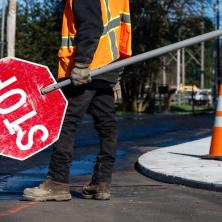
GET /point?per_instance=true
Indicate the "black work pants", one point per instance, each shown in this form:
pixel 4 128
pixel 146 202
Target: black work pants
pixel 99 101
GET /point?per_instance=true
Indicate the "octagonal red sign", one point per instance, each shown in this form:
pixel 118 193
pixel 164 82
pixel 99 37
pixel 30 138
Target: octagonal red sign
pixel 30 121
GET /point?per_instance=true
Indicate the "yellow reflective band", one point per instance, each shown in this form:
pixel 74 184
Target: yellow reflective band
pixel 112 23
pixel 108 30
pixel 68 42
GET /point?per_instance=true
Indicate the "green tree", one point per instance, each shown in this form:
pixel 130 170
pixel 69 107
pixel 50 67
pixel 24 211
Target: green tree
pixel 155 24
pixel 38 31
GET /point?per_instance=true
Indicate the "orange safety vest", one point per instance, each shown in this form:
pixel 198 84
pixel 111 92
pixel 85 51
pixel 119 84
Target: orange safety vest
pixel 114 44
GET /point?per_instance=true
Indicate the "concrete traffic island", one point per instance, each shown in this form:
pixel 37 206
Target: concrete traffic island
pixel 182 164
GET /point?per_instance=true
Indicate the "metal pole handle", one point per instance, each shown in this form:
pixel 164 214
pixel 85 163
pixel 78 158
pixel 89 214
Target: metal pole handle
pixel 141 57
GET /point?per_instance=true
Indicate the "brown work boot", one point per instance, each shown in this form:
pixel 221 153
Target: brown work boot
pixel 99 191
pixel 48 190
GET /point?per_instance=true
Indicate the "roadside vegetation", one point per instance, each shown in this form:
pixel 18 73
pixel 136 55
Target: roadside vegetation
pixel 155 24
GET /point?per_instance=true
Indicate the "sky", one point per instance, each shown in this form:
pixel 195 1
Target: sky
pixel 1 2
pixel 210 12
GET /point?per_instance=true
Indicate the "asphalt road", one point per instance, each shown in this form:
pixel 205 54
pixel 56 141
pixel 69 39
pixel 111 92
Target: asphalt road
pixel 134 197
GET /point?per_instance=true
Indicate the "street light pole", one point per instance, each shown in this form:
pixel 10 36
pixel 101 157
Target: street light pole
pixel 218 42
pixel 202 81
pixel 11 28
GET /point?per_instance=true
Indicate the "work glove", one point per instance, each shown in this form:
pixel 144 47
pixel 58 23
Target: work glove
pixel 80 74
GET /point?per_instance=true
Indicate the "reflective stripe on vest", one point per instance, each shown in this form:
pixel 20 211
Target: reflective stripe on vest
pixel 114 23
pixel 71 41
pixel 111 33
pixel 68 42
pixel 114 42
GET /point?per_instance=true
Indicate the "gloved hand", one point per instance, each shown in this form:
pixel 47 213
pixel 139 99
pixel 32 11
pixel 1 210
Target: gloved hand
pixel 80 74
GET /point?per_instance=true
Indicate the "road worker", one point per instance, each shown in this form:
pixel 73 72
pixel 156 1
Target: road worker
pixel 94 34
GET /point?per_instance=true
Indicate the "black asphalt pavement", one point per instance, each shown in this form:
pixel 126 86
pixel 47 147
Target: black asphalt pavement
pixel 134 196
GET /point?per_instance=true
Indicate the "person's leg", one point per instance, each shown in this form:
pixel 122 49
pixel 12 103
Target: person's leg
pixel 56 186
pixel 79 99
pixel 103 112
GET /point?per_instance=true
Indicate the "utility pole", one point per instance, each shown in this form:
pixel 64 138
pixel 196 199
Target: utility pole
pixel 3 29
pixel 178 68
pixel 11 27
pixel 179 61
pixel 218 42
pixel 183 66
pixel 164 71
pixel 202 47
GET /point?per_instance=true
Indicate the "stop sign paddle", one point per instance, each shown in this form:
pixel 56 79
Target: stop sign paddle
pixel 30 121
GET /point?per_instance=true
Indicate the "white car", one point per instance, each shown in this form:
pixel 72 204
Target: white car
pixel 203 96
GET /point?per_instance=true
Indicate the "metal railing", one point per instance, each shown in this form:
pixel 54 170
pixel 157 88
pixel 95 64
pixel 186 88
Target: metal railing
pixel 142 57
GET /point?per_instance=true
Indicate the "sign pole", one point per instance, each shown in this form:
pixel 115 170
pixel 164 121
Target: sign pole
pixel 141 57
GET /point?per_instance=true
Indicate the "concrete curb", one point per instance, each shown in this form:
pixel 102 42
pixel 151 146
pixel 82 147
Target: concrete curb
pixel 178 180
pixel 202 177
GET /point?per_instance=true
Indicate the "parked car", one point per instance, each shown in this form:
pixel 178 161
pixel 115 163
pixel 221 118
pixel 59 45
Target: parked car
pixel 203 96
